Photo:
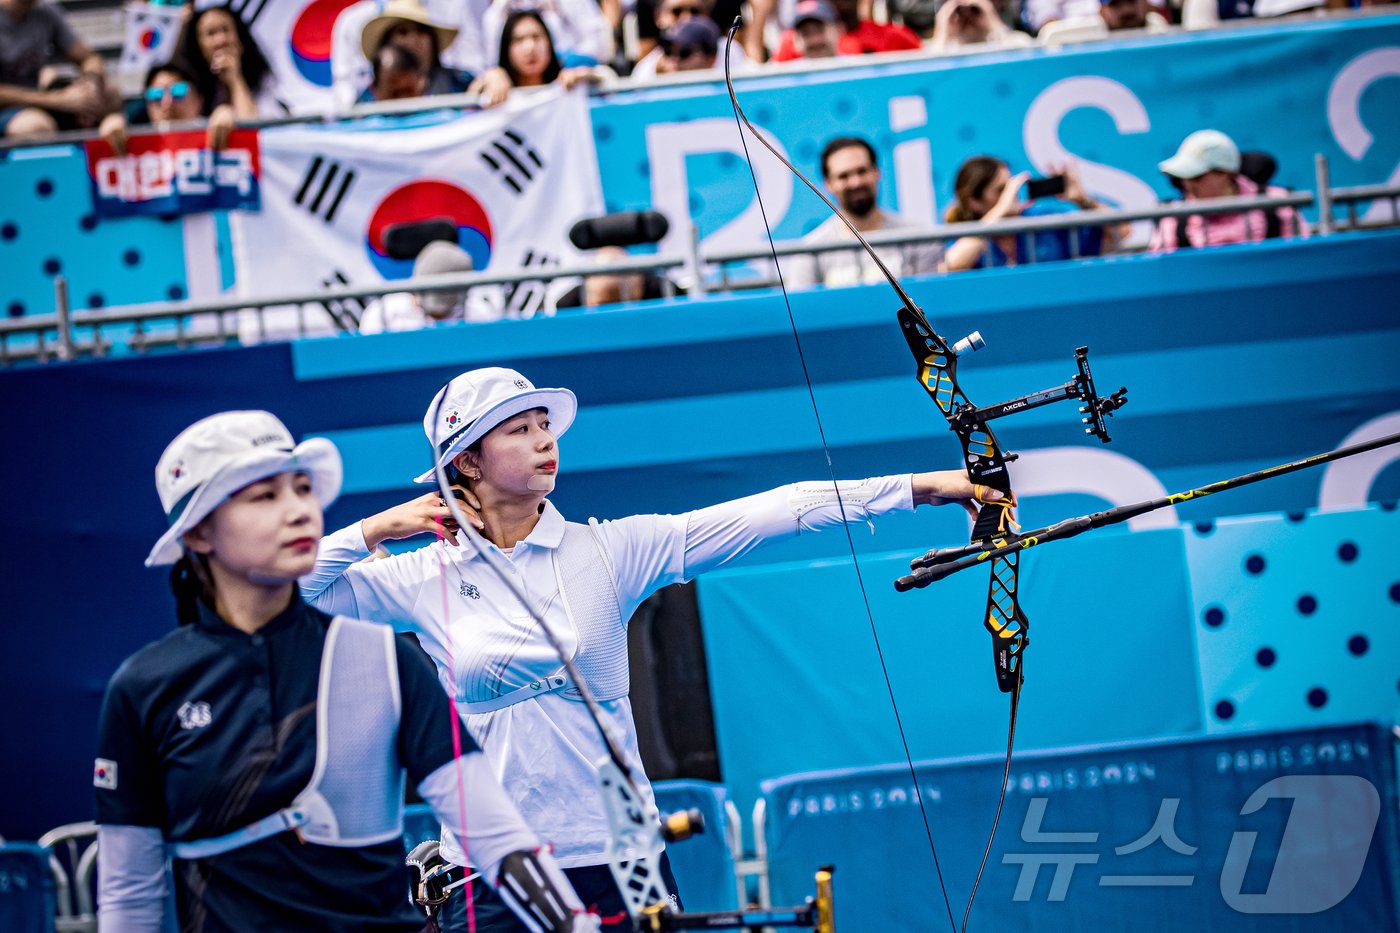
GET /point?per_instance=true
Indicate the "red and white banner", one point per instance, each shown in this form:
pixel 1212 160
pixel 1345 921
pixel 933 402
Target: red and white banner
pixel 174 173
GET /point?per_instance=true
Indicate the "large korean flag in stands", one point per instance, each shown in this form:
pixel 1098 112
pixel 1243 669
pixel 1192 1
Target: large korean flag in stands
pixel 513 180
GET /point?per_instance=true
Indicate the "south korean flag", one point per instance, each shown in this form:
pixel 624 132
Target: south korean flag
pixel 150 37
pixel 509 182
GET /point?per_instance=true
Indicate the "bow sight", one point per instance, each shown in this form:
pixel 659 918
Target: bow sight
pixel 1081 386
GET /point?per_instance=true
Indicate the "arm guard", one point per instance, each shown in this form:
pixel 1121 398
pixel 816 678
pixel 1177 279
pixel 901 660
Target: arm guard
pixel 534 888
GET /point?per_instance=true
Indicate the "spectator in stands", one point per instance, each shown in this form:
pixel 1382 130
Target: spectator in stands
pixel 1207 14
pixel 962 23
pixel 613 288
pixel 1111 16
pixel 857 33
pixel 497 435
pixel 654 17
pixel 1130 14
pixel 852 175
pixel 1209 165
pixel 669 15
pixel 261 715
pixel 416 310
pixel 578 29
pixel 405 24
pixel 986 190
pixel 31 33
pixel 363 28
pixel 170 96
pixel 816 31
pixel 690 46
pixel 528 59
pixel 228 65
pixel 397 74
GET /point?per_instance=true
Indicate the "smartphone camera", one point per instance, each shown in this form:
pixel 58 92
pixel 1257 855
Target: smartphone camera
pixel 1045 187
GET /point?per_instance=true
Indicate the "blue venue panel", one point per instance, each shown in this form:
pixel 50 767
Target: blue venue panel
pixel 799 682
pixel 26 888
pixel 1262 622
pixel 1279 831
pixel 1297 619
pixel 1236 358
pixel 703 864
pixel 1117 109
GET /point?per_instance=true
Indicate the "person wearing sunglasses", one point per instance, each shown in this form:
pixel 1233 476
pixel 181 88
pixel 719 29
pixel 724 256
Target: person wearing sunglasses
pixel 670 15
pixel 689 46
pixel 170 96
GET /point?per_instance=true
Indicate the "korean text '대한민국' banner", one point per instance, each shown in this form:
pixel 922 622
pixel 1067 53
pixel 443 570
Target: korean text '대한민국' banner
pixel 174 173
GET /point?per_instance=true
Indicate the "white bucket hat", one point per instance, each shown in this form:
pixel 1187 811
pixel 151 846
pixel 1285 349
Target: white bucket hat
pixel 478 400
pixel 219 455
pixel 1201 152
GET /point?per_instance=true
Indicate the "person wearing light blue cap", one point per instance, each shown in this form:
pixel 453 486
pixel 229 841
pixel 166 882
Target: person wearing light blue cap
pixel 1209 165
pixel 263 746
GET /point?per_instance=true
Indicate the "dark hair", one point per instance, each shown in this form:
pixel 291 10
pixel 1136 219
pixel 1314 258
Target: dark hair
pixel 972 179
pixel 255 67
pixel 190 582
pixel 394 58
pixel 551 71
pixel 847 142
pixel 175 67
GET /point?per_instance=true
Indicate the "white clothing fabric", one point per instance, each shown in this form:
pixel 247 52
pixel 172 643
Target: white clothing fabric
pixel 646 66
pixel 469 52
pixel 1040 12
pixel 853 267
pixel 1092 28
pixel 350 70
pixel 545 750
pixel 131 887
pixel 398 311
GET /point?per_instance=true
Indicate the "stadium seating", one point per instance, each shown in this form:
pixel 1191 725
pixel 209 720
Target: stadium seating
pixel 27 901
pixel 705 864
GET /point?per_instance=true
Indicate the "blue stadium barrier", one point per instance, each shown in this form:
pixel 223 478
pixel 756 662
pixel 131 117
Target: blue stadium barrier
pixel 420 824
pixel 705 864
pixel 1272 831
pixel 27 902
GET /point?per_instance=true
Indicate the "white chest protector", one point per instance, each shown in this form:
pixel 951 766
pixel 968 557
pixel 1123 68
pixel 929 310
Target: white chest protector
pixel 356 792
pixel 589 596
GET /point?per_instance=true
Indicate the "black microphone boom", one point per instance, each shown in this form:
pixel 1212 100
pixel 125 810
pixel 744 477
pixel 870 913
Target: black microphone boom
pixel 944 562
pixel 625 228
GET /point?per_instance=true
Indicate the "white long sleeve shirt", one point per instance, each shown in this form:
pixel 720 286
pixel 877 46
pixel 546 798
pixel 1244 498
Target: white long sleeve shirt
pixel 545 750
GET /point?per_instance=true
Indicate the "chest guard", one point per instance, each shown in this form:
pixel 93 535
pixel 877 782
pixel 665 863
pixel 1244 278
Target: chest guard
pixel 356 792
pixel 588 594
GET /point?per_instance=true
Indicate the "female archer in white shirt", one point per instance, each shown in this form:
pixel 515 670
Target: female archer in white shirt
pixel 497 437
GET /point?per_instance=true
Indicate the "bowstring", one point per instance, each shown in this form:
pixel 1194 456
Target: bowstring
pixel 826 449
pixel 457 729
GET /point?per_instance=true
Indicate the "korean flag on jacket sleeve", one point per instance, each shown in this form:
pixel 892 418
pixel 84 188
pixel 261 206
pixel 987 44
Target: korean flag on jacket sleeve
pixel 511 180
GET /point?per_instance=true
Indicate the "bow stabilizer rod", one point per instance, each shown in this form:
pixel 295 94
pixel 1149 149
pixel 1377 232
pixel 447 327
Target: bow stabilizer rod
pixel 944 562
